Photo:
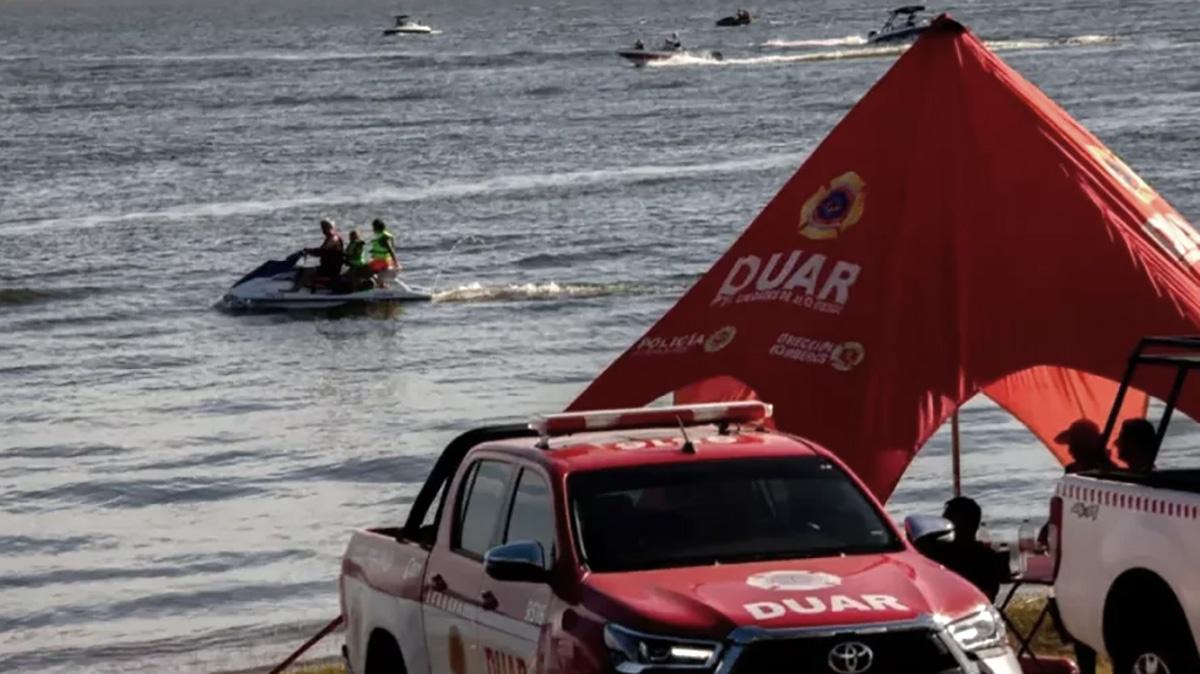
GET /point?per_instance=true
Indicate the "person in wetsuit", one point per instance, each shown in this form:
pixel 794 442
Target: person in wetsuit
pixel 330 255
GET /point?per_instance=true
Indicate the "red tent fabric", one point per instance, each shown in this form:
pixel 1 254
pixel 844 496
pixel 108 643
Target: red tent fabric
pixel 956 233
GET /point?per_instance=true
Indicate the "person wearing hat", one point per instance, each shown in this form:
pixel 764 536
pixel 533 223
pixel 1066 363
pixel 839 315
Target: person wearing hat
pixel 1084 443
pixel 1082 439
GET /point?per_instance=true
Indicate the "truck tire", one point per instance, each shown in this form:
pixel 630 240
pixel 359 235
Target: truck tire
pixel 1149 634
pixel 383 655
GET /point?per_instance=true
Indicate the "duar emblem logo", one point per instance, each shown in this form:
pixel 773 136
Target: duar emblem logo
pixel 720 339
pixel 846 356
pixel 1123 174
pixel 834 207
pixel 794 580
pixel 851 657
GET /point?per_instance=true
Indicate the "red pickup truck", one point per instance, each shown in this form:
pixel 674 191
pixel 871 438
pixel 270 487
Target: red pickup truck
pixel 677 539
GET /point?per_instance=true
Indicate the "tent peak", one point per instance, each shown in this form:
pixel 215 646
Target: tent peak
pixel 945 22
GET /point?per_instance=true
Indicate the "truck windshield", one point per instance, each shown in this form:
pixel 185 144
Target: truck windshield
pixel 711 512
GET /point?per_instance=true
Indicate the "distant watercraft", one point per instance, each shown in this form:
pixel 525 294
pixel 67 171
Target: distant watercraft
pixel 270 286
pixel 406 26
pixel 672 47
pixel 902 24
pixel 742 18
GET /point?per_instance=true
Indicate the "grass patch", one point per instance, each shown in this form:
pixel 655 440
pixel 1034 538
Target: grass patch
pixel 1024 610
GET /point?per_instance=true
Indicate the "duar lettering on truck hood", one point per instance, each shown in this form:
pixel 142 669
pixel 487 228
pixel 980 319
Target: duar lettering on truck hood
pixel 712 600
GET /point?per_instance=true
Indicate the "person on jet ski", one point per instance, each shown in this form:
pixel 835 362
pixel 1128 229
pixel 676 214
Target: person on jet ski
pixel 383 250
pixel 356 252
pixel 330 255
pixel 357 270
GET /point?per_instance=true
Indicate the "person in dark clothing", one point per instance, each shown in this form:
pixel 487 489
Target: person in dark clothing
pixel 1137 445
pixel 330 255
pixel 1083 442
pixel 984 567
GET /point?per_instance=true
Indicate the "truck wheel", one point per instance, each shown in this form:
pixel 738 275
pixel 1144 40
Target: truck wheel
pixel 1157 643
pixel 383 655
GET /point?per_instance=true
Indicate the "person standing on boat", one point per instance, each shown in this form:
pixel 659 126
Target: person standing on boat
pixel 383 249
pixel 330 254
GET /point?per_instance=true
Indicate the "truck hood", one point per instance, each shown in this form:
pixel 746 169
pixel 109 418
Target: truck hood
pixel 712 600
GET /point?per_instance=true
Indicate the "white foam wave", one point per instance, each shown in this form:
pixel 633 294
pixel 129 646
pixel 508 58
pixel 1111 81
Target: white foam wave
pixel 848 40
pixel 477 292
pixel 708 60
pixel 498 185
pixel 1049 43
pixel 701 59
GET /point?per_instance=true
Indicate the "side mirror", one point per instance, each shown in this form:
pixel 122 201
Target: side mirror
pixel 522 562
pixel 920 529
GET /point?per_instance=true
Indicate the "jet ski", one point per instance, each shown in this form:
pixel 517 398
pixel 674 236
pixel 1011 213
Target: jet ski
pixel 742 18
pixel 406 26
pixel 270 287
pixel 901 25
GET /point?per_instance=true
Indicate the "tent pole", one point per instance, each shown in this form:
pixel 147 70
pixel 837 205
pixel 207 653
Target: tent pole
pixel 955 454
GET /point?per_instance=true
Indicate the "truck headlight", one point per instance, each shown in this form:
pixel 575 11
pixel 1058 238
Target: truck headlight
pixel 634 652
pixel 979 631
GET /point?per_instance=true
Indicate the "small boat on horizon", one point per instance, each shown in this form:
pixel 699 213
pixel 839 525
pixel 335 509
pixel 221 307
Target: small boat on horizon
pixel 405 25
pixel 902 24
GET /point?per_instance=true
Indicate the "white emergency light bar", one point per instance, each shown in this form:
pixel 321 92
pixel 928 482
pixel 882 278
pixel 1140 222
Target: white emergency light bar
pixel 742 412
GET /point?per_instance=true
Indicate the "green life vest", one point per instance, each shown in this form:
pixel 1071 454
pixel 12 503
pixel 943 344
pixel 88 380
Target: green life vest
pixel 379 249
pixel 356 254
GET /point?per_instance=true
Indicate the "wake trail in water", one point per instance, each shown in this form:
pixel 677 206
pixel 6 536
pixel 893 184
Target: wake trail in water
pixel 478 292
pixel 866 52
pixel 692 60
pixel 849 40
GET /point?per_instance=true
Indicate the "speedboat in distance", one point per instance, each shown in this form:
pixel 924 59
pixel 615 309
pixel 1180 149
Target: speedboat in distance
pixel 405 25
pixel 273 286
pixel 671 47
pixel 902 24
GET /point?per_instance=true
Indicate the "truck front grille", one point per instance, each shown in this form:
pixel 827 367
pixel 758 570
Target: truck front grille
pixel 914 651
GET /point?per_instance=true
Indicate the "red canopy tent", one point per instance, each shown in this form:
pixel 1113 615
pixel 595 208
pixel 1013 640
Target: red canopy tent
pixel 956 233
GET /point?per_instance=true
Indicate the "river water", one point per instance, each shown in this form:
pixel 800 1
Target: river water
pixel 177 483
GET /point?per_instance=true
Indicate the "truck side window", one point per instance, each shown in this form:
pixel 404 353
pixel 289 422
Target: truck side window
pixel 532 516
pixel 483 504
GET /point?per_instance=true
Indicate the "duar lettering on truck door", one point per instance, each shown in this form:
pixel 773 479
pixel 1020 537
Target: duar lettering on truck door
pixel 516 613
pixel 452 593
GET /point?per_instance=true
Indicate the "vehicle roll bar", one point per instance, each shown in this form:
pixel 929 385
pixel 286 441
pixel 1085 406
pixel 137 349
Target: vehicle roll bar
pixel 1180 352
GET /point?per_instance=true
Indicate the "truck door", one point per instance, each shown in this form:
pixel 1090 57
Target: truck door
pixel 514 615
pixel 451 596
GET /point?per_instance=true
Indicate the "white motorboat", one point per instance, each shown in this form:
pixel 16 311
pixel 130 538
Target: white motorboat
pixel 271 286
pixel 405 25
pixel 902 24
